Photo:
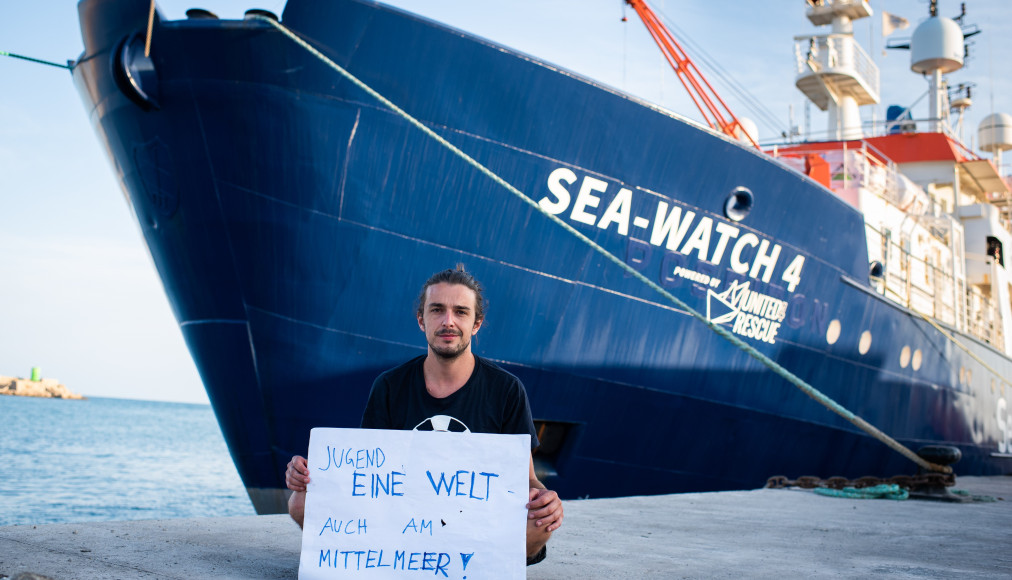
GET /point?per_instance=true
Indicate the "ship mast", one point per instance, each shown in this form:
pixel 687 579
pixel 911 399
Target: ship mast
pixel 833 71
pixel 715 111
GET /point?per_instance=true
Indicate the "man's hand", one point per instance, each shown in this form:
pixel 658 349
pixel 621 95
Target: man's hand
pixel 545 508
pixel 297 474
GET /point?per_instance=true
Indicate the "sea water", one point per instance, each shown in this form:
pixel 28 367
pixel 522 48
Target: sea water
pixel 113 459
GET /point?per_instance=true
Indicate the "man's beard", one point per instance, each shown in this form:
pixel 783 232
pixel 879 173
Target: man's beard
pixel 450 352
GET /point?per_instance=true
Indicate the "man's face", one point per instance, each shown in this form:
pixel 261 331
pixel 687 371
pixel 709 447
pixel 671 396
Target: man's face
pixel 448 319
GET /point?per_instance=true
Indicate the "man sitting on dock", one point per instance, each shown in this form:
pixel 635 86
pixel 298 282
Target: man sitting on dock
pixel 450 388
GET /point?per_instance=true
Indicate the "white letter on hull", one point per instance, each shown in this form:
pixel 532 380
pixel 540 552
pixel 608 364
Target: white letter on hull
pixel 762 260
pixel 587 199
pixel 737 265
pixel 792 275
pixel 671 227
pixel 558 190
pixel 700 239
pixel 618 211
pixel 726 231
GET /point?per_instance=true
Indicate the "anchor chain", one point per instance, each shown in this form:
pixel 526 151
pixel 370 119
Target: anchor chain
pixel 920 482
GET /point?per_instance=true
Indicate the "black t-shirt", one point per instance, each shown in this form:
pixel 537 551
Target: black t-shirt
pixel 491 401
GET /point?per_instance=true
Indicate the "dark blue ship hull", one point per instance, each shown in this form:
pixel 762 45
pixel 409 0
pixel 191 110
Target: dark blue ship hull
pixel 292 219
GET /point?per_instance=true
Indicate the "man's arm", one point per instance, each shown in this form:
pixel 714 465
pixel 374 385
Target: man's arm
pixel 296 478
pixel 297 473
pixel 544 507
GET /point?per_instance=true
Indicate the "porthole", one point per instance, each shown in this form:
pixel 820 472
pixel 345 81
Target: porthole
pixel 905 357
pixel 865 344
pixel 833 332
pixel 738 204
pixel 917 359
pixel 876 270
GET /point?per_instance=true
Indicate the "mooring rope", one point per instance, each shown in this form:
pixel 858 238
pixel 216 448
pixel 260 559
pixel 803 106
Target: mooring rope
pixel 151 26
pixel 771 364
pixel 964 348
pixel 36 60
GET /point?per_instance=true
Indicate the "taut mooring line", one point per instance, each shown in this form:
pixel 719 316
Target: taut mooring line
pixel 770 363
pixel 36 60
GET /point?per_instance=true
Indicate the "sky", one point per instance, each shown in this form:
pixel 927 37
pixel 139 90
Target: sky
pixel 79 295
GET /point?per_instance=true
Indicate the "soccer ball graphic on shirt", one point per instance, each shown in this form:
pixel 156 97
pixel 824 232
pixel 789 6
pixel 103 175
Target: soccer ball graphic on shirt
pixel 442 423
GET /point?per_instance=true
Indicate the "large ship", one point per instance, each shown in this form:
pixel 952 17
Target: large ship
pixel 293 217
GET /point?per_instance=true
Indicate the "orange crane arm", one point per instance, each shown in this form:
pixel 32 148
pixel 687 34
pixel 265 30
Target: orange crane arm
pixel 715 111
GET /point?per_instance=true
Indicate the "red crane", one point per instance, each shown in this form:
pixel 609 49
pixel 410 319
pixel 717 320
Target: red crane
pixel 718 116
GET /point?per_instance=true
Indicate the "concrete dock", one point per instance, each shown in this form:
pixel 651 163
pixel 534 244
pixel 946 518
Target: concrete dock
pixel 743 534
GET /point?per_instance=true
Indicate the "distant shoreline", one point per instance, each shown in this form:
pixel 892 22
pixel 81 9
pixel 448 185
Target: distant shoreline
pixel 44 388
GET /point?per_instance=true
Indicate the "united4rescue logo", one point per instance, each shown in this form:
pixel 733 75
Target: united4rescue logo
pixel 754 315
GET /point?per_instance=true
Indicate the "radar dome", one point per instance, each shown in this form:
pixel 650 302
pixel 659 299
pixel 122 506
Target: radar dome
pixel 995 133
pixel 748 131
pixel 937 44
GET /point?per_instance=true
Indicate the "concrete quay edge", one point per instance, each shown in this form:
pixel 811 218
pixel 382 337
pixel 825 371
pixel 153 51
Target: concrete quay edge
pixel 761 533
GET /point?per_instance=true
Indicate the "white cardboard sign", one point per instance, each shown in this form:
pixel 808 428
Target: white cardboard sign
pixel 415 504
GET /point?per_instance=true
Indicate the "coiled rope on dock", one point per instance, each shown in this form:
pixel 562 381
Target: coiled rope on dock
pixel 884 491
pixel 724 333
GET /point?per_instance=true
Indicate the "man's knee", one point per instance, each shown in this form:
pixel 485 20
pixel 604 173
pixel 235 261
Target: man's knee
pixel 297 506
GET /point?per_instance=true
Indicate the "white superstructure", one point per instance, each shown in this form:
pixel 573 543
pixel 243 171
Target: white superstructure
pixel 936 214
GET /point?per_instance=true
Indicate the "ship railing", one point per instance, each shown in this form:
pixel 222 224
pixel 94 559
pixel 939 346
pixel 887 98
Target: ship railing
pixel 1003 202
pixel 947 230
pixel 852 167
pixel 877 173
pixel 984 319
pixel 926 285
pixel 909 125
pixel 934 285
pixel 982 322
pixel 837 53
pixel 877 128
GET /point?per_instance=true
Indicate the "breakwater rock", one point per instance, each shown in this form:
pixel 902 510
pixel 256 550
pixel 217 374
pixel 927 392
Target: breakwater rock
pixel 47 388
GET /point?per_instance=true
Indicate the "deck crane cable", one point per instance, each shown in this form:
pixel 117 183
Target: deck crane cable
pixel 761 111
pixel 723 332
pixel 700 91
